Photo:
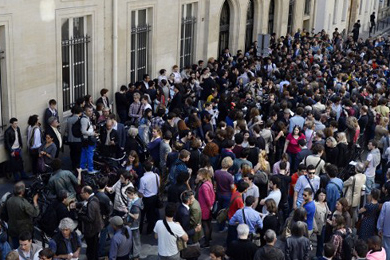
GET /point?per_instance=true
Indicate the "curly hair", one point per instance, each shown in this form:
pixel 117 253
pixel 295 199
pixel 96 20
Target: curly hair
pixel 211 149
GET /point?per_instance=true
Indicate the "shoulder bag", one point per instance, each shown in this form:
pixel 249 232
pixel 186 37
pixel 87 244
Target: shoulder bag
pixel 223 213
pixel 186 252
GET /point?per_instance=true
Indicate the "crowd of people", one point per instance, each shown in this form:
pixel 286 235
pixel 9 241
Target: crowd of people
pixel 287 155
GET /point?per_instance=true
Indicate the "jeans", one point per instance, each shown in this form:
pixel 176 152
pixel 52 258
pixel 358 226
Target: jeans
pixel 293 159
pixel 386 245
pixel 208 229
pixel 223 202
pixel 87 157
pixel 232 234
pixel 34 160
pixel 320 242
pixel 370 184
pixel 17 165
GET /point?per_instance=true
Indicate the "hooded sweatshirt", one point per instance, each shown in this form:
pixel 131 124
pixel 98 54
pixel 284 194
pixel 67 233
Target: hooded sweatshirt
pixel 376 255
pixel 34 252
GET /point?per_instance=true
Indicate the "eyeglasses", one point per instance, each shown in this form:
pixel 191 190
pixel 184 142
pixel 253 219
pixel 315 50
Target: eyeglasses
pixel 311 172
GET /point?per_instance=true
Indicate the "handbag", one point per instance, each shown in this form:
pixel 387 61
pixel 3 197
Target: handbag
pixel 159 202
pixel 179 242
pixel 41 166
pixel 223 213
pixel 214 209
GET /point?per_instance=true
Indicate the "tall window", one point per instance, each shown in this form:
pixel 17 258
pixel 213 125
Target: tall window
pixel 307 7
pixel 271 15
pixel 74 60
pixel 335 9
pixel 290 17
pixel 224 28
pixel 140 46
pixel 249 25
pixel 187 38
pixel 361 7
pixel 345 8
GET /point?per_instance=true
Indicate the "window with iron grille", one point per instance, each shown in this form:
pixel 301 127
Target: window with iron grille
pixel 271 16
pixel 249 25
pixel 187 38
pixel 307 7
pixel 74 60
pixel 140 46
pixel 290 16
pixel 224 27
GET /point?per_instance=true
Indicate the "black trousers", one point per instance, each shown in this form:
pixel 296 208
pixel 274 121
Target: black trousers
pixel 92 247
pixel 75 154
pixel 151 212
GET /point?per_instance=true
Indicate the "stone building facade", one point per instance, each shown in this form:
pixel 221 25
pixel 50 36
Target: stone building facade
pixel 64 49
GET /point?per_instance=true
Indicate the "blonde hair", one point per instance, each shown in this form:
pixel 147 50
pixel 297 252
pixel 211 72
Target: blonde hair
pixel 342 137
pixel 227 162
pixel 263 160
pixel 205 173
pixel 332 140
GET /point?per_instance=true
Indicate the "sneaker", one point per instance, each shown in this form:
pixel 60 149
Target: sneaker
pixel 84 170
pixel 93 172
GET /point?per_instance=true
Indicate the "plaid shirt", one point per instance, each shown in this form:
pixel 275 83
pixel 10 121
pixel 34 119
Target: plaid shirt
pixel 157 121
pixel 135 111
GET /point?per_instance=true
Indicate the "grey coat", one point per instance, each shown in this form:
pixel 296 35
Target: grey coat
pixel 68 130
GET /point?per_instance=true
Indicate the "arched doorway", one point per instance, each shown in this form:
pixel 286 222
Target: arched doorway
pixel 290 16
pixel 224 27
pixel 271 17
pixel 249 25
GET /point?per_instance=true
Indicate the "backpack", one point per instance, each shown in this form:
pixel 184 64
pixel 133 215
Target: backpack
pixel 349 240
pixel 260 178
pixel 76 128
pixel 48 222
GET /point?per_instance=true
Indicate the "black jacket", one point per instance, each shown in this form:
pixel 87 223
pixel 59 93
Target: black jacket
pixel 121 102
pixel 183 217
pixel 91 218
pixel 9 138
pixel 241 250
pixel 176 102
pixel 112 149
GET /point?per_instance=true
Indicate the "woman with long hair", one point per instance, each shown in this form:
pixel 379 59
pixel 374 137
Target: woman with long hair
pixel 206 197
pixel 344 154
pixel 133 164
pixel 270 220
pixel 292 147
pixel 370 211
pixel 320 217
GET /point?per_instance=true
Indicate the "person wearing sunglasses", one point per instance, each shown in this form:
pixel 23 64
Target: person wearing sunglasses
pixel 311 180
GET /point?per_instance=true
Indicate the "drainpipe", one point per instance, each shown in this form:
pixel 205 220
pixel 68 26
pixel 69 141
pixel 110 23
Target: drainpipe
pixel 115 44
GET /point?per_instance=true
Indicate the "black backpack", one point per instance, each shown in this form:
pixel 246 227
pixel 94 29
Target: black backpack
pixel 349 240
pixel 76 128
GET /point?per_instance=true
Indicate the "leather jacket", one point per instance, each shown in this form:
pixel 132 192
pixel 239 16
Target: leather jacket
pixel 9 138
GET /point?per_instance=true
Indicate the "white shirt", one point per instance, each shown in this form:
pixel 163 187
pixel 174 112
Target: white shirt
pixel 148 186
pixel 370 171
pixel 16 144
pixel 37 137
pixel 276 195
pixel 166 242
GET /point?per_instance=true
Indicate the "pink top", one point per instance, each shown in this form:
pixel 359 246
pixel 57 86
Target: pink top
pixel 206 198
pixel 293 146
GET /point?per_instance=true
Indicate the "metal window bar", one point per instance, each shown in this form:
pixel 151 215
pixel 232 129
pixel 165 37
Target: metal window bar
pixel 2 120
pixel 74 70
pixel 139 52
pixel 187 41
